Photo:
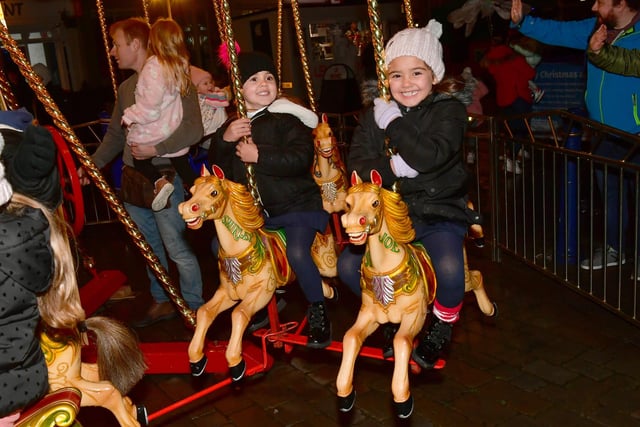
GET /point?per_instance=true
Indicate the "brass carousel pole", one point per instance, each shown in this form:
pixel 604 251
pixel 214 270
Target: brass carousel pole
pixel 86 162
pixel 279 45
pixel 377 40
pixel 9 101
pixel 145 7
pixel 227 36
pixel 408 11
pixel 105 40
pixel 303 54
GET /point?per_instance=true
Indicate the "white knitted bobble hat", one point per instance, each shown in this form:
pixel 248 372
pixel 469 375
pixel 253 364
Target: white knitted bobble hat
pixel 422 43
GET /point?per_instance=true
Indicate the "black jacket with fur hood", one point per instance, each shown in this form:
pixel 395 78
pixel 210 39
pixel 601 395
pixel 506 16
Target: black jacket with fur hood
pixel 429 137
pixel 283 171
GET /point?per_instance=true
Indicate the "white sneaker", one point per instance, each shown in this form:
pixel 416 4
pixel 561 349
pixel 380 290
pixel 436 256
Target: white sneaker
pixel 597 262
pixel 509 166
pixel 471 157
pixel 162 197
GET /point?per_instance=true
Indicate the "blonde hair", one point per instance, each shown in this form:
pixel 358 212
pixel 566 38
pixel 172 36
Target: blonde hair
pixel 166 42
pixel 59 306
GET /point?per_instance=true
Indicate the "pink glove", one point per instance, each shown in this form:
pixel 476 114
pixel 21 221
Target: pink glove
pixel 385 112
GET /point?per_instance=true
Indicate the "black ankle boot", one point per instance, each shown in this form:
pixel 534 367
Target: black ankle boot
pixel 434 343
pixel 389 332
pixel 319 326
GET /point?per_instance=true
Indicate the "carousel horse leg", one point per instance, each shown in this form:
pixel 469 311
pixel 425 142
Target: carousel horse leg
pixel 473 282
pixel 402 347
pixel 205 316
pixel 240 317
pixel 103 393
pixel 352 342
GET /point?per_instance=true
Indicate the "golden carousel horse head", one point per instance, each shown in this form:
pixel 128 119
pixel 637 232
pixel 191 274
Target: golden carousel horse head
pixel 328 168
pixel 398 282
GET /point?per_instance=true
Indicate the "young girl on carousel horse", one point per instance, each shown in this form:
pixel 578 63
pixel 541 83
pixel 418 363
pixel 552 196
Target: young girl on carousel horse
pixel 415 141
pixel 276 138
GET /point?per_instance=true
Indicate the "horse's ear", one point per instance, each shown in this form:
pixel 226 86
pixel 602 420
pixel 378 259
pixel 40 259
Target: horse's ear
pixel 204 171
pixel 219 173
pixel 355 178
pixel 376 178
pixel 325 119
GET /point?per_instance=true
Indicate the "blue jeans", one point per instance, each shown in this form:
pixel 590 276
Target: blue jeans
pixel 444 244
pixel 166 229
pixel 616 220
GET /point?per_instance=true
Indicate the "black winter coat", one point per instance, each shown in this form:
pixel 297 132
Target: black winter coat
pixel 26 267
pixel 285 158
pixel 429 137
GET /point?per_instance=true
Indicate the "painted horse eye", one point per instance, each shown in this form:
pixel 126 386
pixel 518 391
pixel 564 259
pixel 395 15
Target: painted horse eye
pixel 214 193
pixel 376 203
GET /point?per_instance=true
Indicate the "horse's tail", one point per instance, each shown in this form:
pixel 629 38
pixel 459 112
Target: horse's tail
pixel 119 357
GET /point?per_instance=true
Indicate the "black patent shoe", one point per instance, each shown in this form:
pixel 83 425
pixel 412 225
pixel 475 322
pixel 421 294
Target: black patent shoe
pixel 142 416
pixel 319 335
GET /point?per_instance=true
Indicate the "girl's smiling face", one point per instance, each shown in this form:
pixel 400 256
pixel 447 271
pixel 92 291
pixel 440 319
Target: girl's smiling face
pixel 410 80
pixel 260 90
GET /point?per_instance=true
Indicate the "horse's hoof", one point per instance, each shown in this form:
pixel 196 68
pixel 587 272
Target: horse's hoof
pixel 237 371
pixel 142 415
pixel 197 368
pixel 495 310
pixel 404 409
pixel 345 404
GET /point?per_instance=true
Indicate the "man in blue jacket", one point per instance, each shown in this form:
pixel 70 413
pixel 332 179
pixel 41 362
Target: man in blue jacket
pixel 611 99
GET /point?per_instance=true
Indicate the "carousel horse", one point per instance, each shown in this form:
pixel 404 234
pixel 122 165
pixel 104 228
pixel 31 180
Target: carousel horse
pixel 105 381
pixel 328 168
pixel 252 262
pixel 398 283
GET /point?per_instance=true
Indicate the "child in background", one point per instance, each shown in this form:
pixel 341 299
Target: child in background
pixel 212 99
pixel 529 48
pixel 163 80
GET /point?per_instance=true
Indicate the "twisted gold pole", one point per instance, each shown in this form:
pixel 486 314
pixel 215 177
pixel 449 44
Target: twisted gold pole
pixel 114 202
pixel 145 7
pixel 8 97
pixel 236 86
pixel 408 11
pixel 303 54
pixel 279 44
pixel 378 47
pixel 105 40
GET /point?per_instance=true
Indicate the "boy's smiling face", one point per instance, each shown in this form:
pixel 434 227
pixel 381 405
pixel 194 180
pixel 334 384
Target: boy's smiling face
pixel 410 80
pixel 260 90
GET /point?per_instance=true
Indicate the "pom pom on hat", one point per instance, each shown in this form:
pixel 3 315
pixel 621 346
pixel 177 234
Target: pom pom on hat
pixel 422 43
pixel 5 187
pixel 198 75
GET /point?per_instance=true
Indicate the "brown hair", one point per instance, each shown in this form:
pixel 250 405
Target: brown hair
pixel 132 28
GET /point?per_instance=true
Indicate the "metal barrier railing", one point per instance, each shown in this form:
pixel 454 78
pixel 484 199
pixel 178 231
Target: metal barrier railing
pixel 542 182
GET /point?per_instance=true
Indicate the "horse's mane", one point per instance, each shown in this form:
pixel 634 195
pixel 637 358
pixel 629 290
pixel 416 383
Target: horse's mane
pixel 247 212
pixel 394 209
